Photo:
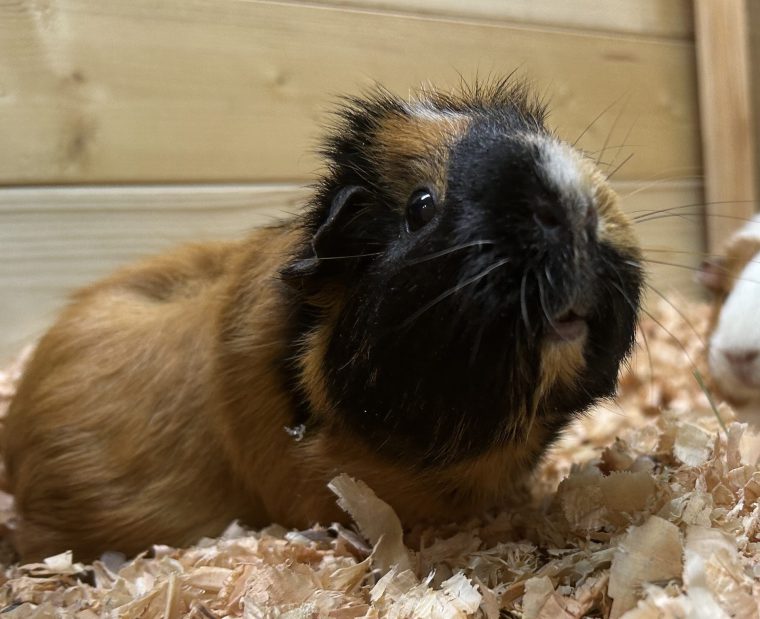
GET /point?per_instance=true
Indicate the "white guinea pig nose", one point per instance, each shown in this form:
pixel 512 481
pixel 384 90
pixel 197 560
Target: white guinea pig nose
pixel 741 358
pixel 742 364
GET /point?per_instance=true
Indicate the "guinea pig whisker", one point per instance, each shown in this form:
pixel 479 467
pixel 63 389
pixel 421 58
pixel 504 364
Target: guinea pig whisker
pixel 642 213
pixel 655 183
pixel 542 300
pixel 616 147
pixel 450 250
pixel 531 420
pixel 369 255
pixel 634 307
pixel 666 330
pixel 646 212
pixel 625 138
pixel 549 278
pixel 357 215
pixel 596 119
pixel 614 125
pixel 454 290
pixel 686 216
pixel 620 165
pixel 523 303
pixel 678 311
pixel 476 344
pixel 673 337
pixel 616 409
pixel 701 254
pixel 687 252
pixel 690 268
pixel 649 360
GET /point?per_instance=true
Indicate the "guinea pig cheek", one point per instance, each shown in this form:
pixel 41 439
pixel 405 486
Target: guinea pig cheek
pixel 734 348
pixel 311 367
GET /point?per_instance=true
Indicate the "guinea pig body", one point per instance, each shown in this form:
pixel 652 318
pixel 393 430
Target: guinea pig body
pixel 734 333
pixel 461 285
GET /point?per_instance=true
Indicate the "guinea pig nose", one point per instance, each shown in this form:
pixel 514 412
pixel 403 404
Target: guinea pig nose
pixel 547 215
pixel 741 357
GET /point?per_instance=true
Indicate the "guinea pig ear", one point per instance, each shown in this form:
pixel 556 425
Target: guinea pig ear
pixel 712 274
pixel 326 240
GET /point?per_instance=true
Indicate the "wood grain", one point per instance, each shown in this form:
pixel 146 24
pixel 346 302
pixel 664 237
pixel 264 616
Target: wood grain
pixel 663 18
pixel 754 63
pixel 53 240
pixel 95 91
pixel 727 125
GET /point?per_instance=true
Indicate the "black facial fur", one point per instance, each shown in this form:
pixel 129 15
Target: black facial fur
pixel 436 354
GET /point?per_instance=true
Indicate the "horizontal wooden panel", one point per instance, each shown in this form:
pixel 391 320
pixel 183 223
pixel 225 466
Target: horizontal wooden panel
pixel 666 18
pixel 54 240
pixel 103 91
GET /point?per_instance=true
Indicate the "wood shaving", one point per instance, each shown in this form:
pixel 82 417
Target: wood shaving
pixel 647 508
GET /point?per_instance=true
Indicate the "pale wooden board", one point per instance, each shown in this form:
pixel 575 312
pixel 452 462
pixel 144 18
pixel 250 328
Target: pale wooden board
pixel 236 90
pixel 754 76
pixel 665 18
pixel 53 240
pixel 728 132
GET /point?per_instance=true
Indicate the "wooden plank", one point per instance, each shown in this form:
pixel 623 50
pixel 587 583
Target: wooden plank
pixel 727 128
pixel 98 91
pixel 53 240
pixel 754 51
pixel 663 18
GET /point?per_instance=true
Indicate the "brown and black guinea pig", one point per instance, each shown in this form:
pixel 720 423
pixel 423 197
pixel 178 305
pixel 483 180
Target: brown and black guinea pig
pixel 461 285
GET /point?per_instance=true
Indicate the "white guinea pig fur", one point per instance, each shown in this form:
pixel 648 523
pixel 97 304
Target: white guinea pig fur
pixel 733 345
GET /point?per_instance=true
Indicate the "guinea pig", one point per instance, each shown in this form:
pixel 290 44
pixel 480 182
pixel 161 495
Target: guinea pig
pixel 461 285
pixel 733 344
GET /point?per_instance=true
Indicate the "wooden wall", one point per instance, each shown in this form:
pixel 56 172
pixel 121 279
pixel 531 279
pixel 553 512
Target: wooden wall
pixel 753 28
pixel 128 125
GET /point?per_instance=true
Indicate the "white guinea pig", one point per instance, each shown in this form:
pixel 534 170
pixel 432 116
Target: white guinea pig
pixel 733 345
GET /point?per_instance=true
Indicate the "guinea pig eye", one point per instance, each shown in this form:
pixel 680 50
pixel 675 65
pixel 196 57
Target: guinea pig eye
pixel 420 209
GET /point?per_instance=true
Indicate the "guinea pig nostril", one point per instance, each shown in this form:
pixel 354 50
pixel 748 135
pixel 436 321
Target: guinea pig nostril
pixel 741 357
pixel 546 215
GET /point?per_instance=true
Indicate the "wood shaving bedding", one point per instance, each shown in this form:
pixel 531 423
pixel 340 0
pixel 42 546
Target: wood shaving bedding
pixel 647 508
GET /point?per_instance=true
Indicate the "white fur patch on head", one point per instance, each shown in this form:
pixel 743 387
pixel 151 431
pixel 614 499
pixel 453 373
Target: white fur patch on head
pixel 562 169
pixel 751 229
pixel 426 111
pixel 737 334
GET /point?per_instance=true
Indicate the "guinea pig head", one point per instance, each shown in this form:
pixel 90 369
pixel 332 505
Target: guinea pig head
pixel 468 279
pixel 734 341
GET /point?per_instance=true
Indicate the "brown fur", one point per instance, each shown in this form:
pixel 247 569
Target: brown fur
pixel 413 153
pixel 191 340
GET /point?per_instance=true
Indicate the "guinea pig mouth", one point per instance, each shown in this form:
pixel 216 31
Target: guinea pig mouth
pixel 568 326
